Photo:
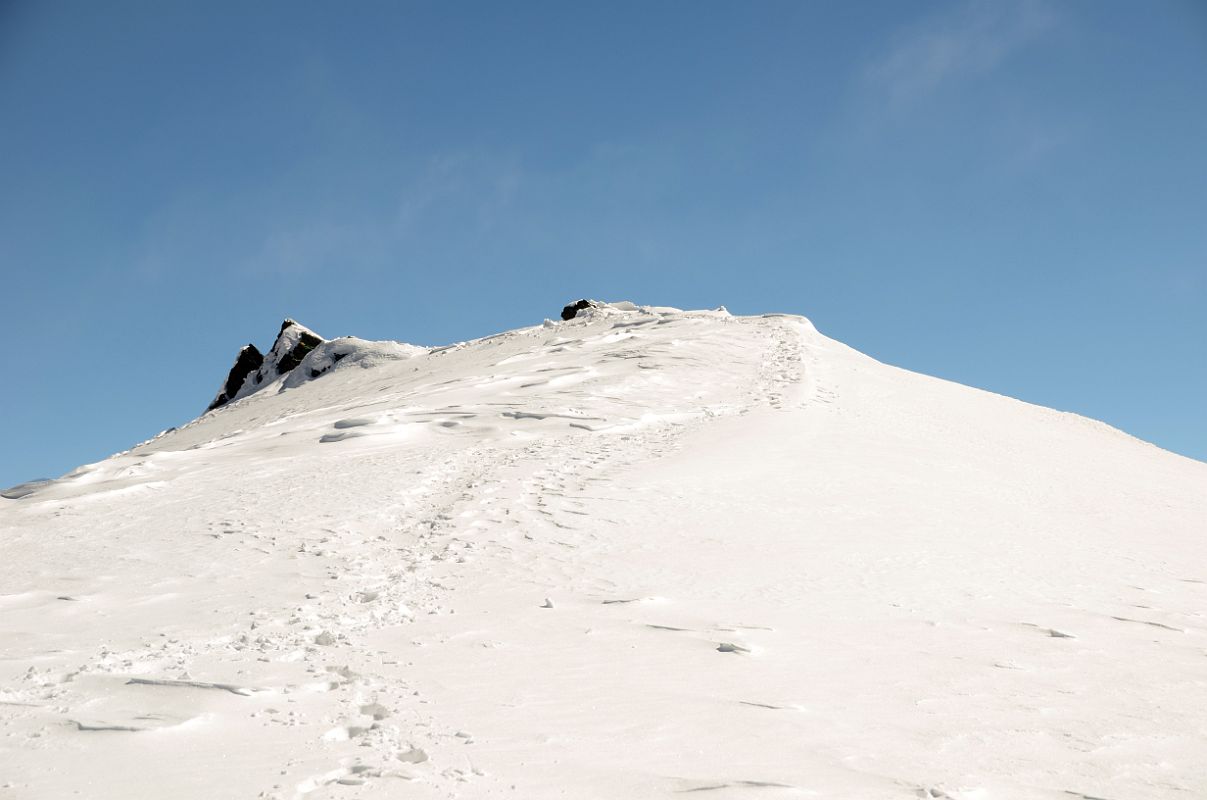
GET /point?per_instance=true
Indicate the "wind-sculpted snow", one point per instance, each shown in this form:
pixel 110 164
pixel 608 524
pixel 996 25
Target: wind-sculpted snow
pixel 344 353
pixel 641 553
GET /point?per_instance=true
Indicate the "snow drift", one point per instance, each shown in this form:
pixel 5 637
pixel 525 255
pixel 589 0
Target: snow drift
pixel 635 554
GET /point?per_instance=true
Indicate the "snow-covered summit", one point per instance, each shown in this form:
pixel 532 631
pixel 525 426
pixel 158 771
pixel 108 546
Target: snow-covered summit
pixel 253 371
pixel 298 346
pixel 640 553
pixel 593 309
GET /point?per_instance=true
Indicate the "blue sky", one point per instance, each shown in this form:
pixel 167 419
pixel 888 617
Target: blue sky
pixel 1012 195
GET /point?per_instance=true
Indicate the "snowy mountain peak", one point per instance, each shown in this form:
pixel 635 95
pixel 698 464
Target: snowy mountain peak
pixel 252 370
pixel 641 553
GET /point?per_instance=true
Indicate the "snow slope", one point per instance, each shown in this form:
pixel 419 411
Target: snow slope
pixel 639 554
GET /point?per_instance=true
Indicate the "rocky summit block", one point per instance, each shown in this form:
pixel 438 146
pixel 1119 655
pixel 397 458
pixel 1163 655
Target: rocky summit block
pixel 253 370
pixel 248 361
pixel 293 342
pixel 571 311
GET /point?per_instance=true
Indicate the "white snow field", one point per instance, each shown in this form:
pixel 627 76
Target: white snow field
pixel 644 553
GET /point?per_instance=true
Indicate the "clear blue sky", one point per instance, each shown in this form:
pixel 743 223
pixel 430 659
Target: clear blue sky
pixel 1011 195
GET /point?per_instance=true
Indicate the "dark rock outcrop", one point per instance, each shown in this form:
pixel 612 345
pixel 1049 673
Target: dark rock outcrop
pixel 249 360
pixel 571 311
pixel 293 342
pixel 253 370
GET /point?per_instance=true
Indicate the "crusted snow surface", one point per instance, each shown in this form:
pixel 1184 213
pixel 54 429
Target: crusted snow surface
pixel 645 553
pixel 346 352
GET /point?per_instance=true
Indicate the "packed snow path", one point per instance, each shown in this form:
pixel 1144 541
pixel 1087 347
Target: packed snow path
pixel 640 554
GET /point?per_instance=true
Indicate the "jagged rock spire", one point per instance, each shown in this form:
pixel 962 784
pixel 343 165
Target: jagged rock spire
pixel 253 370
pixel 248 361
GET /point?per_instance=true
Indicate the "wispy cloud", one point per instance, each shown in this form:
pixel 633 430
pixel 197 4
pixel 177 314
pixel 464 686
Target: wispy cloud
pixel 454 208
pixel 970 40
pixel 447 202
pixel 477 187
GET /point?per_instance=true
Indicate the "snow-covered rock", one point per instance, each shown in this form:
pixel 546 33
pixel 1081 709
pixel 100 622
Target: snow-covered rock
pixel 641 553
pixel 253 371
pixel 345 352
pixel 570 310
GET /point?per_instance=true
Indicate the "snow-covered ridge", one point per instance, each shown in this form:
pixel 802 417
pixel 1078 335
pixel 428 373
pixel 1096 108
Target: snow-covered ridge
pixel 570 355
pixel 638 553
pixel 303 355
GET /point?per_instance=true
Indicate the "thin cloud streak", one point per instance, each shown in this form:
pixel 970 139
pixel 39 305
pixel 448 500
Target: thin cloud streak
pixel 971 40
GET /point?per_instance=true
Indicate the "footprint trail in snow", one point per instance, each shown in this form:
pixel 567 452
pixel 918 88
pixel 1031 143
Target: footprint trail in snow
pixel 642 553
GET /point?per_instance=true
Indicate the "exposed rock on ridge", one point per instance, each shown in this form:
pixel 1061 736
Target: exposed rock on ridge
pixel 293 343
pixel 248 361
pixel 253 370
pixel 571 311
